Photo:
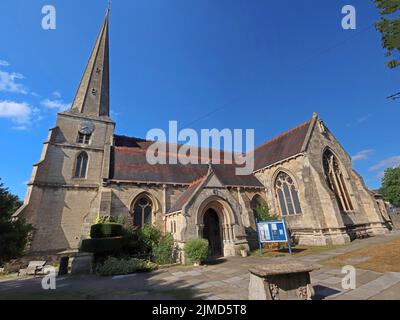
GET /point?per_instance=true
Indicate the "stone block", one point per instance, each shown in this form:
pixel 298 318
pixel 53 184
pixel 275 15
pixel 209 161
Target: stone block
pixel 82 264
pixel 285 281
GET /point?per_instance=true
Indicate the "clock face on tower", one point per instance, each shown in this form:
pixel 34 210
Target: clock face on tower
pixel 86 127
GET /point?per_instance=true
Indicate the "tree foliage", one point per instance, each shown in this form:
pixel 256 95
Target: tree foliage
pixel 14 235
pixel 262 214
pixel 389 26
pixel 391 186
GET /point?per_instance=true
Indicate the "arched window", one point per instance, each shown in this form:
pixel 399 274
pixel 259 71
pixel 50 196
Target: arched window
pixel 287 194
pixel 142 211
pixel 81 165
pixel 336 181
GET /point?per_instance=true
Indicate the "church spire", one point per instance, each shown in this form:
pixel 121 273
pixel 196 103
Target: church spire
pixel 92 97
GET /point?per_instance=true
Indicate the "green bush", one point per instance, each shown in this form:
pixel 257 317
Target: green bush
pixel 104 245
pixel 196 250
pixel 106 230
pixel 164 249
pixel 148 237
pixel 112 219
pixel 262 214
pixel 113 266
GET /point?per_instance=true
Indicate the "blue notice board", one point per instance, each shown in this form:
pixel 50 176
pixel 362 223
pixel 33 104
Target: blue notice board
pixel 272 231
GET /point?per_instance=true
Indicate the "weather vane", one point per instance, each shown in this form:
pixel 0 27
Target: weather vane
pixel 109 5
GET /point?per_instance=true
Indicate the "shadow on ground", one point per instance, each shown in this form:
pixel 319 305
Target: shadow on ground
pixel 141 286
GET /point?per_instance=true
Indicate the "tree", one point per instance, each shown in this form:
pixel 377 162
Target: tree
pixel 391 186
pixel 262 214
pixel 389 26
pixel 14 235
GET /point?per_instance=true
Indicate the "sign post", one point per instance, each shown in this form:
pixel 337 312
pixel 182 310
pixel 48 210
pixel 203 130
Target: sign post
pixel 273 231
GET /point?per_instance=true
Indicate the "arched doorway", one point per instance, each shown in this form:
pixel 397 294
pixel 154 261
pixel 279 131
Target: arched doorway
pixel 212 233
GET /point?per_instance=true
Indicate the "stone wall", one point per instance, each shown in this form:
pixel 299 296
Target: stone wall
pixel 60 207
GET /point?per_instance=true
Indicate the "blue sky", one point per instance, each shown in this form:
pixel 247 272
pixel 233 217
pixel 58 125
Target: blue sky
pixel 259 64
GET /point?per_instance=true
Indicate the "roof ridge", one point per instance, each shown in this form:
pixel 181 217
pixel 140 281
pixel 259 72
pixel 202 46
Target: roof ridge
pixel 283 134
pixel 195 182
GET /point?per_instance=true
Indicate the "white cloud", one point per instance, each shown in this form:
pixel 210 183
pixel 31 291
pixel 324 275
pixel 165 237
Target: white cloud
pixel 362 155
pixel 387 163
pixel 4 63
pixel 20 128
pixel 364 118
pixel 114 114
pixel 8 82
pixel 56 94
pixel 55 105
pixel 19 113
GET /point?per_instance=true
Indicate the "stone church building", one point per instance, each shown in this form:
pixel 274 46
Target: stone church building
pixel 85 170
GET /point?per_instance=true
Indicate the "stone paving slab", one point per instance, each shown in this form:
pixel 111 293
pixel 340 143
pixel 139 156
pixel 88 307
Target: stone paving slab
pixel 392 293
pixel 320 277
pixel 366 277
pixel 233 280
pixel 229 279
pixel 374 287
pixel 331 280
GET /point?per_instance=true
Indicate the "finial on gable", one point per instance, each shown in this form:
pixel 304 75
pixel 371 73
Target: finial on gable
pixel 210 166
pixel 315 115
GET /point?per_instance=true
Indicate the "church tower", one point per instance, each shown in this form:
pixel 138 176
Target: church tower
pixel 63 196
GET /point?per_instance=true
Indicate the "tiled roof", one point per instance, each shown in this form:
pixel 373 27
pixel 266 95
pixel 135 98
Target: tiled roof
pixel 282 147
pixel 129 163
pixel 185 196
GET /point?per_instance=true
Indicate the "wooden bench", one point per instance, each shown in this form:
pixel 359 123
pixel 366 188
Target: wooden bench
pixel 283 281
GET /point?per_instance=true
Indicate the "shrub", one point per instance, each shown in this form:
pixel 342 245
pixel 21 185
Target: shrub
pixel 111 219
pixel 104 245
pixel 163 250
pixel 148 237
pixel 263 214
pixel 106 230
pixel 113 266
pixel 196 250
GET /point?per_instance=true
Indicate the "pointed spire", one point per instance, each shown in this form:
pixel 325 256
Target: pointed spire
pixel 92 97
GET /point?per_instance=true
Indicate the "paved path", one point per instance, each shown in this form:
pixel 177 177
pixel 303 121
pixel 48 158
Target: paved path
pixel 224 279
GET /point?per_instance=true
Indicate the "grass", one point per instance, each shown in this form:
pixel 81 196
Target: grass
pixel 298 251
pixel 384 257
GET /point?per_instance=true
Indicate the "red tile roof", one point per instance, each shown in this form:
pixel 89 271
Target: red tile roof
pixel 282 147
pixel 186 196
pixel 129 163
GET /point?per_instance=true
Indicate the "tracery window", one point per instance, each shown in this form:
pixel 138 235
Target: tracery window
pixel 336 181
pixel 142 211
pixel 81 165
pixel 287 194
